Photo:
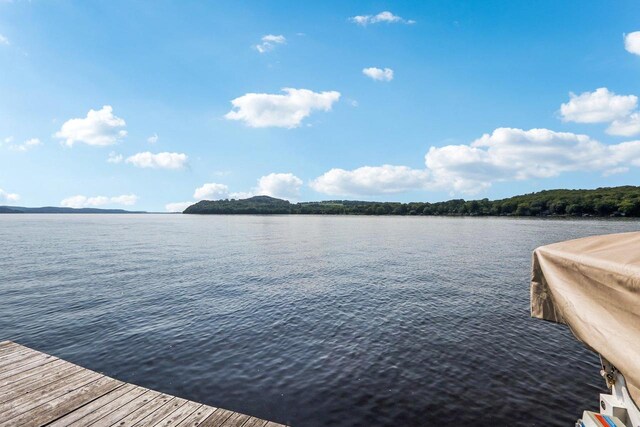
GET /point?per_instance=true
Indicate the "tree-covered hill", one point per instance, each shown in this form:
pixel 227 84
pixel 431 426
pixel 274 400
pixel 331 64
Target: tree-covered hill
pixel 601 202
pixel 253 205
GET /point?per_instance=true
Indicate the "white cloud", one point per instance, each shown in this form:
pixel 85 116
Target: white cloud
pixel 269 42
pixel 507 154
pixel 159 160
pixel 516 154
pixel 8 197
pixel 93 202
pixel 211 191
pixel 627 126
pixel 177 206
pixel 280 185
pixel 25 146
pixel 153 139
pixel 597 107
pixel 98 128
pixel 4 40
pixel 371 180
pixel 378 73
pixel 115 157
pixel 270 110
pixel 632 42
pixel 385 16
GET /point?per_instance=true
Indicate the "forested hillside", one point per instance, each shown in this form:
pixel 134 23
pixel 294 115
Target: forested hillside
pixel 601 202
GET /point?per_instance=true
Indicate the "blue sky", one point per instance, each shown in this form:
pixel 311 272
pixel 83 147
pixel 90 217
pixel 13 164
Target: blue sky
pixel 406 101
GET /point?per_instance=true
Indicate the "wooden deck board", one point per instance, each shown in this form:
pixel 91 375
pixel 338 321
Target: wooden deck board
pixel 24 387
pixel 124 410
pixel 10 352
pixel 217 418
pixel 37 389
pixel 42 395
pixel 37 372
pixel 198 416
pixel 15 360
pixel 255 422
pixel 22 368
pixel 144 411
pixel 236 420
pixel 161 413
pixel 71 401
pixel 71 417
pixel 132 393
pixel 179 415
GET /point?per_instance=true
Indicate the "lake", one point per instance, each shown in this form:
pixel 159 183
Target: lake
pixel 311 321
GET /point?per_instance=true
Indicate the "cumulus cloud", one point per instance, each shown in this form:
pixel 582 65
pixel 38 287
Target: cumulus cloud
pixel 627 126
pixel 25 146
pixel 273 110
pixel 516 154
pixel 99 128
pixel 4 40
pixel 80 201
pixel 385 75
pixel 597 107
pixel 159 160
pixel 506 154
pixel 371 180
pixel 153 139
pixel 632 42
pixel 385 16
pixel 269 42
pixel 8 197
pixel 601 106
pixel 280 185
pixel 211 191
pixel 177 206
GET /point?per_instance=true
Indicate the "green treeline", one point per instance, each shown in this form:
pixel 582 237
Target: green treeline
pixel 601 202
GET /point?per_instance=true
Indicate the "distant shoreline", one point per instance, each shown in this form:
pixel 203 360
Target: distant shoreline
pixel 599 203
pixel 63 210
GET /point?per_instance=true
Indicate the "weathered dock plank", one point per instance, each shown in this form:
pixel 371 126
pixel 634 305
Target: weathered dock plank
pixel 33 373
pixel 22 368
pixel 179 415
pixel 71 417
pixel 161 413
pixel 133 392
pixel 37 390
pixel 143 412
pixel 124 410
pixel 198 416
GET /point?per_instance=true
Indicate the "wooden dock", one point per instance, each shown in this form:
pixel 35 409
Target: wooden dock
pixel 37 389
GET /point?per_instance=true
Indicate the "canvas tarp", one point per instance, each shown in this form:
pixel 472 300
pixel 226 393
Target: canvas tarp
pixel 593 286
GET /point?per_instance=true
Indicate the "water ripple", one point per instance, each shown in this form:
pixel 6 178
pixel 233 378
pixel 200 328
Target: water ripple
pixel 312 321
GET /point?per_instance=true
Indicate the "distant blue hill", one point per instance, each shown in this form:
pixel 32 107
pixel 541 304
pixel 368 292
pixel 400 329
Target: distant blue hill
pixel 58 210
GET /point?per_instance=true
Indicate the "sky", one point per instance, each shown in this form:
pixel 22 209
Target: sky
pixel 154 105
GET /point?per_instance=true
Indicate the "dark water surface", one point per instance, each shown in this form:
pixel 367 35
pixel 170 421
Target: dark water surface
pixel 312 321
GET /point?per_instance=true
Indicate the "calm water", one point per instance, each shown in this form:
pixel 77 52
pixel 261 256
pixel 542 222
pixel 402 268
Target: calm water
pixel 313 321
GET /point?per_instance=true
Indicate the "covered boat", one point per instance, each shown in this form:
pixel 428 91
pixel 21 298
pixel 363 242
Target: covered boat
pixel 592 285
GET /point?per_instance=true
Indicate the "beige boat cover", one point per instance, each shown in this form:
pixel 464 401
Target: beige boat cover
pixel 593 286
